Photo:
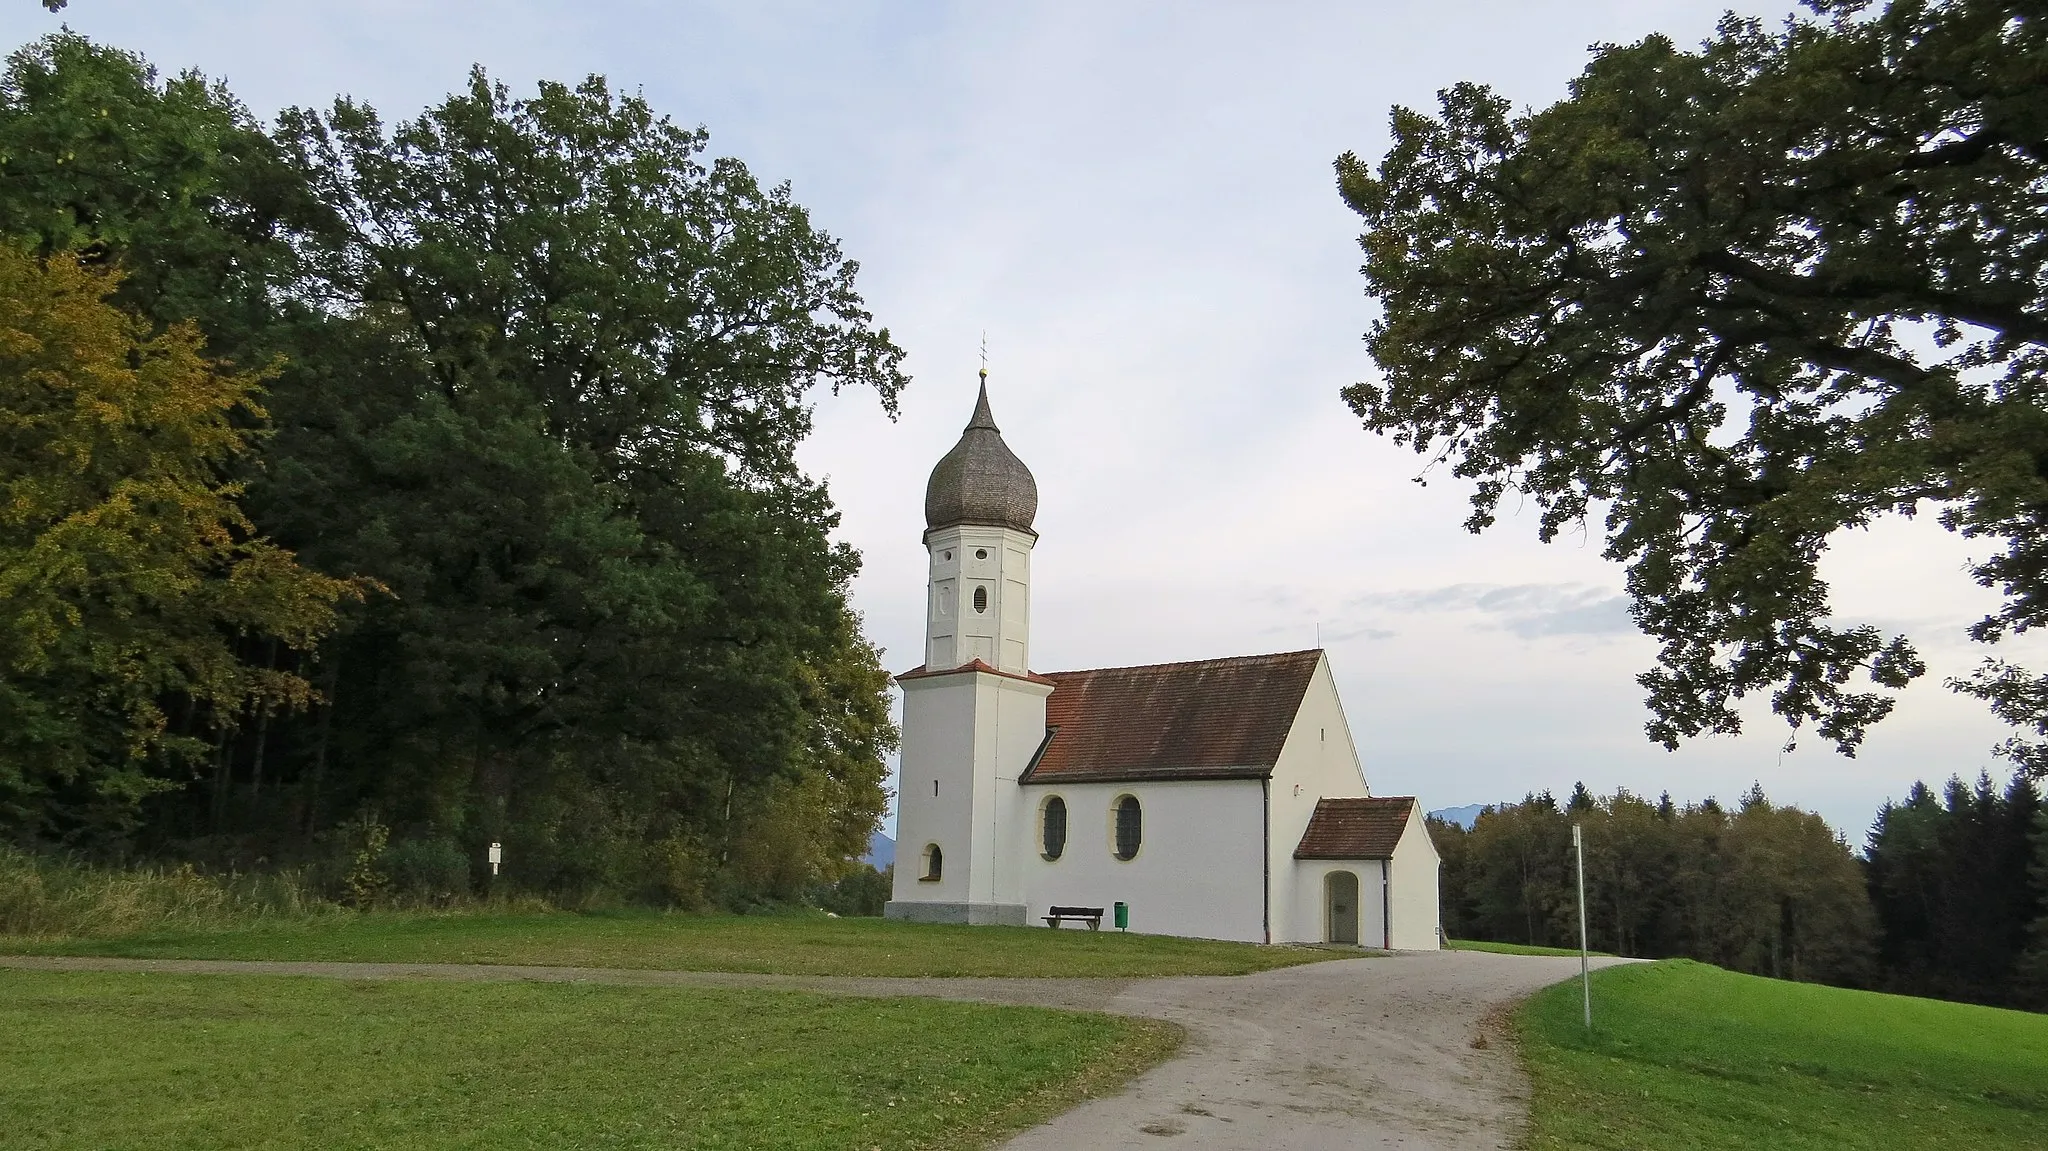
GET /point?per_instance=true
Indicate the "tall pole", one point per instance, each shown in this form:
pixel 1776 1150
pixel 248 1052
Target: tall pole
pixel 1585 966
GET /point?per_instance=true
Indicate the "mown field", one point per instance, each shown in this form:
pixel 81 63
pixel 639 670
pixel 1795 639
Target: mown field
pixel 91 1061
pixel 791 945
pixel 1690 1056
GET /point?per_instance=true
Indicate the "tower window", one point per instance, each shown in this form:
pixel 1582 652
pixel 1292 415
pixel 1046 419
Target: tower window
pixel 981 599
pixel 935 787
pixel 1130 827
pixel 1052 827
pixel 932 865
pixel 981 553
pixel 946 555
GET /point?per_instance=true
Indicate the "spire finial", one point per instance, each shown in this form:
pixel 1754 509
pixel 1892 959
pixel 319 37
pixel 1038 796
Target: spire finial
pixel 984 355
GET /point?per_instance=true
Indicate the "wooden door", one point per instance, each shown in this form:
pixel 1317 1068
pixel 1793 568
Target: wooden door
pixel 1341 891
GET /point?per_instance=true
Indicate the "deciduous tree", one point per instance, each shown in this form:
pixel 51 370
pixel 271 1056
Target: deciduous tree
pixel 129 575
pixel 1732 301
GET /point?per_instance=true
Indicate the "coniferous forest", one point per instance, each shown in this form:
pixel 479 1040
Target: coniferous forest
pixel 399 487
pixel 1949 897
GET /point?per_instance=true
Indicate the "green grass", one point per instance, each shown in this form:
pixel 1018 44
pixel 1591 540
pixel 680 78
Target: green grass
pixel 1511 948
pixel 1690 1056
pixel 91 1060
pixel 794 945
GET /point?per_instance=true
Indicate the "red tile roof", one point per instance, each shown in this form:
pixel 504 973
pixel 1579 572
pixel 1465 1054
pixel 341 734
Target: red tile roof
pixel 975 664
pixel 1210 719
pixel 1364 828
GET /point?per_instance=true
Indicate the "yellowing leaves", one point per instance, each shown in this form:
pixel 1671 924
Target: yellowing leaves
pixel 127 570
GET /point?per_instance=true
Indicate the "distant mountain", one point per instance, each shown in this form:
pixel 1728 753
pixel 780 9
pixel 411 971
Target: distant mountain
pixel 1462 816
pixel 881 851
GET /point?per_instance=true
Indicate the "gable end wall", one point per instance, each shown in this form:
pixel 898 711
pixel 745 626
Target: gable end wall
pixel 1318 761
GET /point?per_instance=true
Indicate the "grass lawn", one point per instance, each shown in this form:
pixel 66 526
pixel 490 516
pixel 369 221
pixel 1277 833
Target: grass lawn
pixel 1511 948
pixel 91 1060
pixel 795 945
pixel 1690 1056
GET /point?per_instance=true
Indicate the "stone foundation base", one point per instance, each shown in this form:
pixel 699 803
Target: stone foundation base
pixel 978 914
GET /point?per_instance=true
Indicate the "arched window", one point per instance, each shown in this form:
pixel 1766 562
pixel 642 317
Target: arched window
pixel 934 863
pixel 1052 827
pixel 1130 827
pixel 981 599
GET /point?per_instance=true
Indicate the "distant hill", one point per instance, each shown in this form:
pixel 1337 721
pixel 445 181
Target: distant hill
pixel 881 851
pixel 1462 816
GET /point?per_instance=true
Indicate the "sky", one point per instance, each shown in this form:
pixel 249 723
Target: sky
pixel 1135 203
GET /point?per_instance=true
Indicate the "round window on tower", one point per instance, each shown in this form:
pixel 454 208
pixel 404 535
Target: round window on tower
pixel 981 553
pixel 981 599
pixel 946 556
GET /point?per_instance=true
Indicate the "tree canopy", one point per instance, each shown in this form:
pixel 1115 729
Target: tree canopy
pixel 1733 301
pixel 538 370
pixel 129 574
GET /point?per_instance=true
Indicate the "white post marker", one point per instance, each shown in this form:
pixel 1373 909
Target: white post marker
pixel 498 856
pixel 1585 968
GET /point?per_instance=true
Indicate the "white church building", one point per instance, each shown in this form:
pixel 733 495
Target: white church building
pixel 1220 798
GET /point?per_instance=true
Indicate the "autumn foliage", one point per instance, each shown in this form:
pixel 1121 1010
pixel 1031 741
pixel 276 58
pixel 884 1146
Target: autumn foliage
pixel 129 575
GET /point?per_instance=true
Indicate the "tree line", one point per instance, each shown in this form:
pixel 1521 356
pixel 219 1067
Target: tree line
pixel 1949 897
pixel 422 485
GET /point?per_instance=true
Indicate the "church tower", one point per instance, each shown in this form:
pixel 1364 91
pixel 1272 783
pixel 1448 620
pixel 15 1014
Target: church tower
pixel 973 714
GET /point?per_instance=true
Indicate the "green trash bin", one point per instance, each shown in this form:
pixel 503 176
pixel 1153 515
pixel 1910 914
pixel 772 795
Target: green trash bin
pixel 1123 916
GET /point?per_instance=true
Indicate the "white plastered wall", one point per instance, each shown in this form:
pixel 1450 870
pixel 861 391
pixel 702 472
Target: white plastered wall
pixel 1318 761
pixel 972 732
pixel 997 562
pixel 1308 914
pixel 1414 895
pixel 1197 872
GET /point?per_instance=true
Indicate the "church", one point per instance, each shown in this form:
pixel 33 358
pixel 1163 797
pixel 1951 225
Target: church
pixel 1220 799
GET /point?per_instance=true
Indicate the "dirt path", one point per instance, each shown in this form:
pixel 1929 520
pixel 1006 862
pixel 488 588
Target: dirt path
pixel 1364 1053
pixel 1356 1053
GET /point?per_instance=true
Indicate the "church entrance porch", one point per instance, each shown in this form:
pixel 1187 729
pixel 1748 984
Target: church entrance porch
pixel 1341 899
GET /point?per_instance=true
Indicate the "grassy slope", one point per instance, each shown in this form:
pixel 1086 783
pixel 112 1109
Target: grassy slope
pixel 788 945
pixel 1511 948
pixel 1690 1056
pixel 156 1061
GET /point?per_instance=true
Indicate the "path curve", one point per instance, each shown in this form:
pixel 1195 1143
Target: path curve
pixel 1389 1051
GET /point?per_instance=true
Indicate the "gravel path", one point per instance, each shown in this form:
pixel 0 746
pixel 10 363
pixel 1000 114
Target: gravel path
pixel 1393 1051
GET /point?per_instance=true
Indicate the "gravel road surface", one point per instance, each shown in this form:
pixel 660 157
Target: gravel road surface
pixel 1402 1050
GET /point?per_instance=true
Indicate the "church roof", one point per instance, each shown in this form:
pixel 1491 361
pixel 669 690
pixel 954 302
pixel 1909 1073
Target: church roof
pixel 1209 719
pixel 1364 828
pixel 981 481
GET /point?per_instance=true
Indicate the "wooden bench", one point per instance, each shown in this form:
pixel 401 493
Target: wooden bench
pixel 1092 916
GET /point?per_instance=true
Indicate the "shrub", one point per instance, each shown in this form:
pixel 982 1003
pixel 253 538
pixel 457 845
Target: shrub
pixel 861 891
pixel 427 871
pixel 46 898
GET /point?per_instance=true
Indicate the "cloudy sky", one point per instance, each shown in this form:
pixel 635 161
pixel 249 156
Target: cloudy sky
pixel 1135 202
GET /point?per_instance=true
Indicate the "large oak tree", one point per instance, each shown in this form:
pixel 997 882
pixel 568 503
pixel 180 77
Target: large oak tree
pixel 1733 301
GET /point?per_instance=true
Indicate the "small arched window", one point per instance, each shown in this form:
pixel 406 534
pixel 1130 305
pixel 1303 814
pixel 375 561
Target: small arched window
pixel 1052 827
pixel 981 599
pixel 934 863
pixel 1130 827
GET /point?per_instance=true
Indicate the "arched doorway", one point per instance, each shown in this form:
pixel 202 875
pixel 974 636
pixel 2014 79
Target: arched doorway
pixel 1340 897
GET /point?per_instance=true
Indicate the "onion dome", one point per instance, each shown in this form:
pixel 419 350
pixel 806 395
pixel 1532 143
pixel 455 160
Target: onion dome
pixel 981 481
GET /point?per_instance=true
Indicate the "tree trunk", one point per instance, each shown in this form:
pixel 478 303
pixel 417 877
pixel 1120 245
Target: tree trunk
pixel 332 681
pixel 262 730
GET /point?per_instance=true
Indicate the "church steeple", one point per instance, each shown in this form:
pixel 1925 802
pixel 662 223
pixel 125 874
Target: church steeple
pixel 981 481
pixel 978 511
pixel 973 715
